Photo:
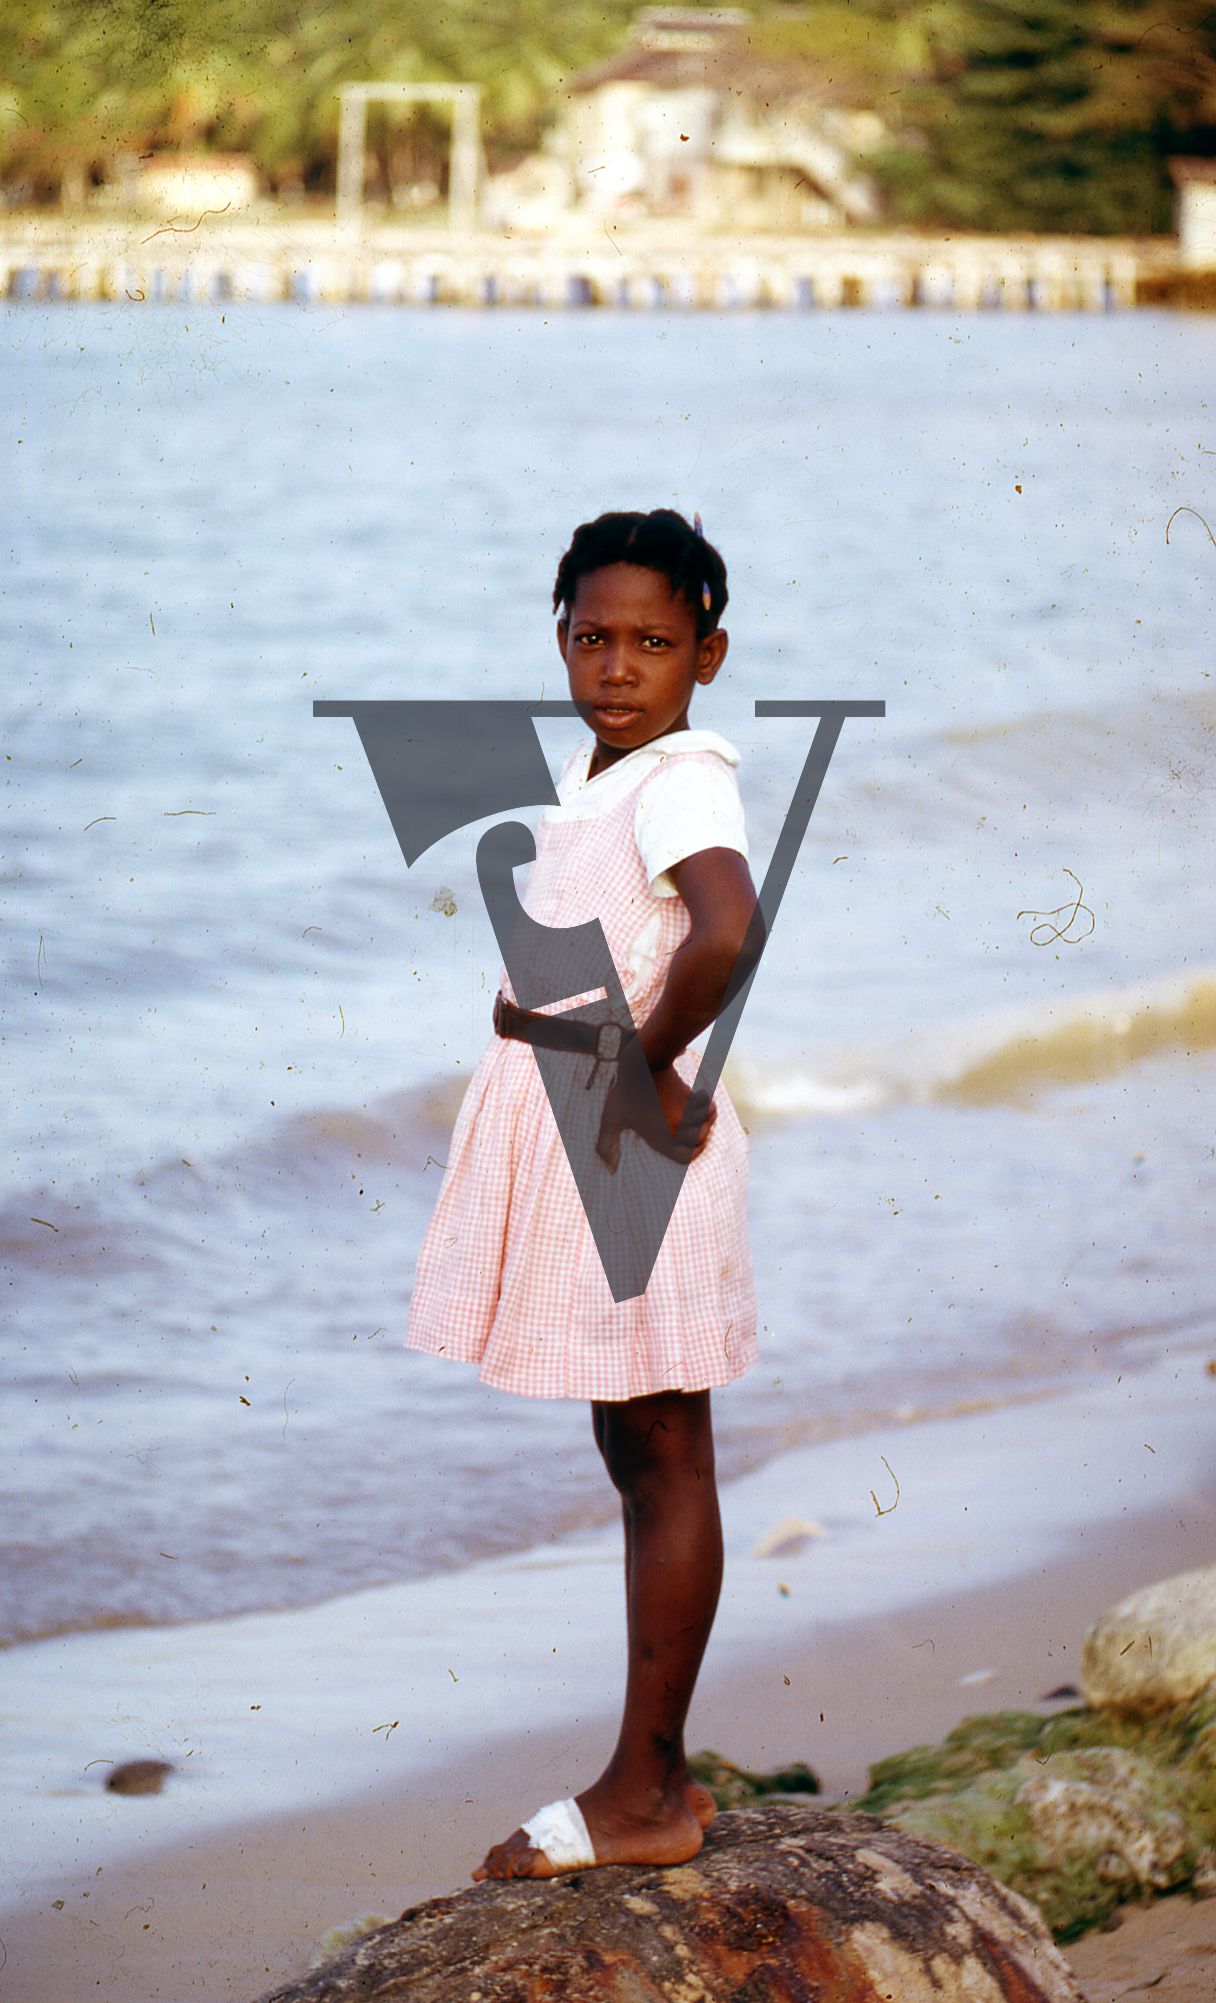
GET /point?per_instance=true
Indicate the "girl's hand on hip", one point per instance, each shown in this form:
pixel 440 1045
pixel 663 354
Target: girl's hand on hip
pixel 652 1104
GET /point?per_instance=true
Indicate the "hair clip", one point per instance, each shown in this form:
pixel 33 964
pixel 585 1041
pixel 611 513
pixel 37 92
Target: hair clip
pixel 707 597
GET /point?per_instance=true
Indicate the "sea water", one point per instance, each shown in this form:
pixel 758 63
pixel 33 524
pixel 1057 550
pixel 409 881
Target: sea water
pixel 977 1064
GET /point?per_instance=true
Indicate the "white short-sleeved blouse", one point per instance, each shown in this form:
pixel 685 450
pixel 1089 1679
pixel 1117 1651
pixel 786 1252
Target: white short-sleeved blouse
pixel 695 805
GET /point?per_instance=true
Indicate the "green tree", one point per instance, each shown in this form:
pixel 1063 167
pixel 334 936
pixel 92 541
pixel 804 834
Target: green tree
pixel 1055 115
pixel 1060 115
pixel 84 80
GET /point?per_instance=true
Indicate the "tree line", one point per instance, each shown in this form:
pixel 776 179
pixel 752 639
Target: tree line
pixel 1056 115
pixel 1062 115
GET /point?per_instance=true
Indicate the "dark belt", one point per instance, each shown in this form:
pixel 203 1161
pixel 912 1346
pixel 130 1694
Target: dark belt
pixel 601 1040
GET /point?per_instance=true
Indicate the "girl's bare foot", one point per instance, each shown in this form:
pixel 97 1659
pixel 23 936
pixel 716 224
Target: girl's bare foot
pixel 700 1800
pixel 670 1834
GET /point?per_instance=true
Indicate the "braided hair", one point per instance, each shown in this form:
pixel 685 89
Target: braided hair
pixel 661 540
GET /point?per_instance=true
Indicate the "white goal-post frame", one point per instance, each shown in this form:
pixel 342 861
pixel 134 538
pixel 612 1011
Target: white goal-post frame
pixel 464 160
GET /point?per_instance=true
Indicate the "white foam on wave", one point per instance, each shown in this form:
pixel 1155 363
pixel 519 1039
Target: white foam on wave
pixel 788 1092
pixel 1007 1059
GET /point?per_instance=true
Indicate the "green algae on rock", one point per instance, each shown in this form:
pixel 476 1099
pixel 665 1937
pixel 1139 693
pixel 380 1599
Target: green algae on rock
pixel 336 1938
pixel 735 1787
pixel 1076 1811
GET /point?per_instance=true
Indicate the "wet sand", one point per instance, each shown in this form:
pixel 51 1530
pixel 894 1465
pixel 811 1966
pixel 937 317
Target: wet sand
pixel 1166 1949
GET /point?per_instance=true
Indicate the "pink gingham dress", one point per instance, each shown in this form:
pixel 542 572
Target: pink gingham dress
pixel 508 1276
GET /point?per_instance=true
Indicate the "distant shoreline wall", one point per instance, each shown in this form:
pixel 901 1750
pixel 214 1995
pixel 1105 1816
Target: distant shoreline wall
pixel 206 261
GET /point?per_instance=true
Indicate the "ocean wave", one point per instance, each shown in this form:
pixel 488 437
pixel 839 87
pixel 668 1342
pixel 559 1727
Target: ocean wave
pixel 992 1062
pixel 158 1218
pixel 988 1063
pixel 1147 765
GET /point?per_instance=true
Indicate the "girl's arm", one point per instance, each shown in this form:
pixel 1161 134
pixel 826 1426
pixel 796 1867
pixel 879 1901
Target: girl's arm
pixel 717 887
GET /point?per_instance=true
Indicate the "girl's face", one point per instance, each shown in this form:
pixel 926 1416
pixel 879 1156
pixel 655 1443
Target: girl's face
pixel 631 650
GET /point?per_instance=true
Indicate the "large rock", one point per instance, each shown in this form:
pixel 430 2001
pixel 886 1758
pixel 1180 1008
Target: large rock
pixel 1107 1804
pixel 784 1902
pixel 1075 1811
pixel 1155 1649
pixel 1078 1831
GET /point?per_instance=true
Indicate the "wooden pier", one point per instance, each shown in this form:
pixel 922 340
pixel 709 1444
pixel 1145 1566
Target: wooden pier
pixel 209 261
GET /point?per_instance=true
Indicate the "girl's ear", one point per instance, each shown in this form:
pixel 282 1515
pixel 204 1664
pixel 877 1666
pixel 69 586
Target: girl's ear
pixel 563 634
pixel 712 653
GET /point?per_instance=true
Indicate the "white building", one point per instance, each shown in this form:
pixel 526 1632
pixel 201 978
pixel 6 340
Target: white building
pixel 183 184
pixel 690 119
pixel 1195 181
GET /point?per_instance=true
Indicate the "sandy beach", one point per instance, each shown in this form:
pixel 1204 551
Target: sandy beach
pixel 1013 1529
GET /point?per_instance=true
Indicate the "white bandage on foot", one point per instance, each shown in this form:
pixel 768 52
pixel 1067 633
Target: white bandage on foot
pixel 560 1831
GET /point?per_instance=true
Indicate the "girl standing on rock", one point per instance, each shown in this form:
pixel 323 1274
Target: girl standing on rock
pixel 649 839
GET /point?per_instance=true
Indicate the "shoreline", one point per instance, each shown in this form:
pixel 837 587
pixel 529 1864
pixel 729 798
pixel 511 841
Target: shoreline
pixel 1013 1530
pixel 240 1908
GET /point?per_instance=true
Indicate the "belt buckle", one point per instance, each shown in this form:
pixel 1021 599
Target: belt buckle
pixel 616 1035
pixel 603 1055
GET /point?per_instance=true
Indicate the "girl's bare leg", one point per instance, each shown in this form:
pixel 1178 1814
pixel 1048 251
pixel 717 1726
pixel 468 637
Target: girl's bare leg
pixel 698 1797
pixel 659 1453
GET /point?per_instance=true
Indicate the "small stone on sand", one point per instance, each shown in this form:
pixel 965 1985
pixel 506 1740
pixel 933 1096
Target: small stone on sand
pixel 138 1776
